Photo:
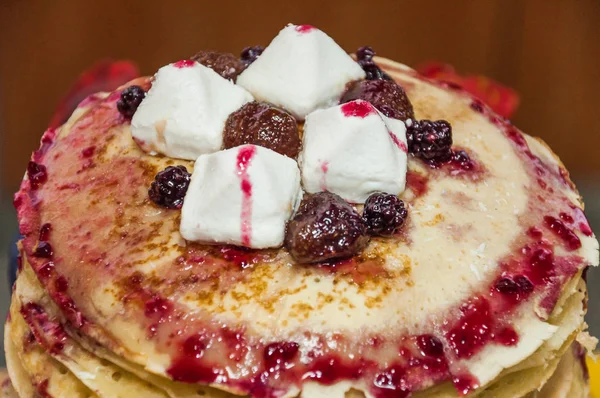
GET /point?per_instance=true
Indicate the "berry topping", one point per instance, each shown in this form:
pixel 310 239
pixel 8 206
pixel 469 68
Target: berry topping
pixel 169 187
pixel 571 240
pixel 276 354
pixel 518 285
pixel 262 124
pixel 43 250
pixel 249 54
pixel 358 108
pixel 37 174
pixel 130 99
pixel 225 64
pixel 305 28
pixel 184 63
pixel 385 95
pixel 364 56
pixel 431 140
pixel 325 227
pixel 384 214
pixel 430 345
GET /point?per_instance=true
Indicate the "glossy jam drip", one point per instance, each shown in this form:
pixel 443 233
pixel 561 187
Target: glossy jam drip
pixel 571 240
pixel 184 63
pixel 244 160
pixel 360 109
pixel 305 28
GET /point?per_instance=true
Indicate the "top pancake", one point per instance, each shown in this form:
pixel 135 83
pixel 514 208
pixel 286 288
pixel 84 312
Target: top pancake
pixel 137 287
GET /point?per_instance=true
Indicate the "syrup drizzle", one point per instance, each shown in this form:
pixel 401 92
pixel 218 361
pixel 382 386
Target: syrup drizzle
pixel 244 160
pixel 358 108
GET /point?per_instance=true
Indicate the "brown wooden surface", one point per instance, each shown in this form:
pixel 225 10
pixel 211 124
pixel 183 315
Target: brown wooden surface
pixel 548 50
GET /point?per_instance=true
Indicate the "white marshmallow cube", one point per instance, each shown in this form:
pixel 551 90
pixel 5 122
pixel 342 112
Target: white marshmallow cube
pixel 184 113
pixel 302 69
pixel 242 196
pixel 353 150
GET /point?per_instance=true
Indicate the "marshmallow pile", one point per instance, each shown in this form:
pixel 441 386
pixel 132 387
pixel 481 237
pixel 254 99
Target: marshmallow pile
pixel 246 195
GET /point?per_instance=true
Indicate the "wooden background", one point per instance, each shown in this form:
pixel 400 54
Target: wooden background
pixel 548 50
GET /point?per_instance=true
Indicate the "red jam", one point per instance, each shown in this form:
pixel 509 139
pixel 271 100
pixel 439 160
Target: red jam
pixel 305 28
pixel 358 108
pixel 184 63
pixel 244 158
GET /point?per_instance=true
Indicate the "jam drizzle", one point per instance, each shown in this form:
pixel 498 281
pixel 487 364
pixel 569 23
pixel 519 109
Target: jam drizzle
pixel 244 160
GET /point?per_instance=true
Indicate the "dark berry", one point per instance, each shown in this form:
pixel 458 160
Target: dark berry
pixel 430 345
pixel 37 174
pixel 364 57
pixel 384 214
pixel 249 54
pixel 43 250
pixel 462 160
pixel 280 353
pixel 169 187
pixel 130 100
pixel 385 95
pixel 520 284
pixel 325 227
pixel 45 231
pixel 225 64
pixel 262 124
pixel 430 140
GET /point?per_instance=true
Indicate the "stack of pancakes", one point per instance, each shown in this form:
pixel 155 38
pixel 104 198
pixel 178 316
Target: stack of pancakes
pixel 115 310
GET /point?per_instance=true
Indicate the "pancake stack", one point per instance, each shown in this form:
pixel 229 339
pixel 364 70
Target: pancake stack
pixel 482 293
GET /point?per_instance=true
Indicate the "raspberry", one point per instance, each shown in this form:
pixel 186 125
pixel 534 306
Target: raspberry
pixel 169 187
pixel 384 214
pixel 385 95
pixel 324 228
pixel 430 140
pixel 130 100
pixel 249 54
pixel 262 124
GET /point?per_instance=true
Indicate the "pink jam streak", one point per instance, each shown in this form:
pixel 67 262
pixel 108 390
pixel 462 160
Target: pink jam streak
pixel 358 108
pixel 324 169
pixel 184 63
pixel 244 159
pixel 401 145
pixel 305 28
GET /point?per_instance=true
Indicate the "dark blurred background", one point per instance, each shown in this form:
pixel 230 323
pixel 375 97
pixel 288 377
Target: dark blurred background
pixel 547 50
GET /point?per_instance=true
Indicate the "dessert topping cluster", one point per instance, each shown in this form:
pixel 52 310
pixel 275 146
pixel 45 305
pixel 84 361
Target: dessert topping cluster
pixel 245 122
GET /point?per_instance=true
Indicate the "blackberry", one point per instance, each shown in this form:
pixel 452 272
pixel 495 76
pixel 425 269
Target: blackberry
pixel 430 140
pixel 384 214
pixel 324 228
pixel 130 100
pixel 225 64
pixel 249 54
pixel 364 57
pixel 262 124
pixel 385 95
pixel 169 187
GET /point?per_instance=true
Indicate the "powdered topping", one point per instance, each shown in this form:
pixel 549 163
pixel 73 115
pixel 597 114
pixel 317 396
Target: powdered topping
pixel 300 72
pixel 242 196
pixel 184 112
pixel 354 140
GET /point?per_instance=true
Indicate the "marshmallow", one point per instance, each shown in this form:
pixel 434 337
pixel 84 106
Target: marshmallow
pixel 242 196
pixel 184 113
pixel 353 150
pixel 302 69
